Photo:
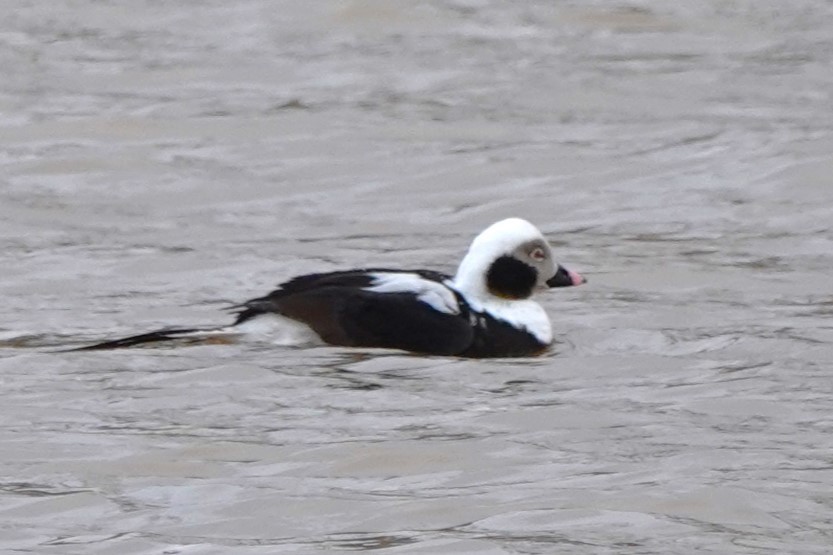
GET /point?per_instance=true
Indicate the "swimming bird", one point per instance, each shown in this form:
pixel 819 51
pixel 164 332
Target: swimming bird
pixel 484 310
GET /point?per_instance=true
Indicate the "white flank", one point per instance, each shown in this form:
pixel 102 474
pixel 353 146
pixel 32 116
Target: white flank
pixel 436 295
pixel 278 330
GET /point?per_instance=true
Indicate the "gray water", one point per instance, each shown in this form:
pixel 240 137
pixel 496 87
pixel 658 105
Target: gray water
pixel 161 160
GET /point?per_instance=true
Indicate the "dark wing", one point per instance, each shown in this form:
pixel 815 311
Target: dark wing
pixel 358 318
pixel 346 279
pixel 349 278
pixel 342 312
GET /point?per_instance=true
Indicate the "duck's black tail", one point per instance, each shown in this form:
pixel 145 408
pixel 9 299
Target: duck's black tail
pixel 184 335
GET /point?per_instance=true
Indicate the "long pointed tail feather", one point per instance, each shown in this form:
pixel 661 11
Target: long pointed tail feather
pixel 196 335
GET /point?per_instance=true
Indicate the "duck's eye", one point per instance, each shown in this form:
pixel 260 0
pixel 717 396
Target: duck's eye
pixel 538 254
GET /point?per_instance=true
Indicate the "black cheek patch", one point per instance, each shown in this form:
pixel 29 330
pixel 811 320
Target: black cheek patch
pixel 510 278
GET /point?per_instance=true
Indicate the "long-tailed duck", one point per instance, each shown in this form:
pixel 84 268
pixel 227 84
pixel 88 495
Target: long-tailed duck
pixel 484 310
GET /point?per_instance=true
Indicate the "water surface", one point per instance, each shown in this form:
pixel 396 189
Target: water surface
pixel 162 160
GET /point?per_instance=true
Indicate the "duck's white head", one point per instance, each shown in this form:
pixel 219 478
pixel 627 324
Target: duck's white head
pixel 510 260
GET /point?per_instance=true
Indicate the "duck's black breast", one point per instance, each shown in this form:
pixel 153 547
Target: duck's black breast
pixel 493 337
